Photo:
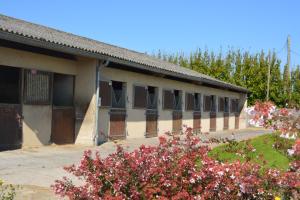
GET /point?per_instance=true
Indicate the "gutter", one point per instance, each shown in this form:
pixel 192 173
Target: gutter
pixel 97 140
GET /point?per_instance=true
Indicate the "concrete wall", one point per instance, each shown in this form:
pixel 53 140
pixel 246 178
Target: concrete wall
pixel 37 119
pixel 85 100
pixel 136 117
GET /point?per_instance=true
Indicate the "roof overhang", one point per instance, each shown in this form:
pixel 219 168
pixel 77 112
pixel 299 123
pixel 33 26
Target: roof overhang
pixel 80 52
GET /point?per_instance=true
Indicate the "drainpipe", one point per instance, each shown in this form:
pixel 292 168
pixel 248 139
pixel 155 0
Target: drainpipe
pixel 100 64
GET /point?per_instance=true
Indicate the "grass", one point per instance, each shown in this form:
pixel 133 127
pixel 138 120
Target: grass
pixel 263 154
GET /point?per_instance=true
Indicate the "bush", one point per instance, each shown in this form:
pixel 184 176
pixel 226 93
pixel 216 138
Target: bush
pixel 175 169
pixel 7 192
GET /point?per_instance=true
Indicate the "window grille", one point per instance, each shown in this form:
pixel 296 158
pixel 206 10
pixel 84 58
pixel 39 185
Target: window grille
pixel 37 87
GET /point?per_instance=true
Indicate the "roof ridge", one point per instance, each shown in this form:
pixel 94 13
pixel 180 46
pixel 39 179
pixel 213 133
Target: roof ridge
pixel 52 35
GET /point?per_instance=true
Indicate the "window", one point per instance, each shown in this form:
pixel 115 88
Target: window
pixel 207 103
pixel 197 100
pixel 213 104
pixel 172 100
pixel 226 104
pixel 118 94
pixel 177 100
pixel 152 98
pixel 63 90
pixel 221 104
pixel 210 103
pixel 189 101
pixel 112 94
pixel 37 87
pixel 234 105
pixel 9 85
pixel 193 101
pixel 139 97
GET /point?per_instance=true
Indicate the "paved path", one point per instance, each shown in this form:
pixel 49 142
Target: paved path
pixel 39 167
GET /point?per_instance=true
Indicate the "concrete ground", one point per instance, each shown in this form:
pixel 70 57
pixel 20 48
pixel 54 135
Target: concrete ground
pixel 35 169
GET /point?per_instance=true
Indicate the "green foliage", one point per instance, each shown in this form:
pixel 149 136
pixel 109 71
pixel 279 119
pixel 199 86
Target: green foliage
pixel 7 192
pixel 244 69
pixel 260 150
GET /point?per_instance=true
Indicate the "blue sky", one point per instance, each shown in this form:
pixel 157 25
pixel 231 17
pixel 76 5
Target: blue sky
pixel 171 25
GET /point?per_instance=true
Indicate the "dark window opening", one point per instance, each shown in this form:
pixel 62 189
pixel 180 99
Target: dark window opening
pixel 118 94
pixel 63 90
pixel 37 87
pixel 152 98
pixel 177 100
pixel 197 100
pixel 213 103
pixel 226 104
pixel 9 85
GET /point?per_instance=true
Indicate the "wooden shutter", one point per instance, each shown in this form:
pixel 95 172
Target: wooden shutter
pixel 105 93
pixel 234 105
pixel 37 87
pixel 140 97
pixel 168 99
pixel 207 103
pixel 221 104
pixel 189 101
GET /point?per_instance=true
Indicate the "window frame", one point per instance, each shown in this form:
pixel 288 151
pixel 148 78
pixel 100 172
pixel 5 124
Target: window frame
pixel 50 88
pixel 124 87
pixel 156 92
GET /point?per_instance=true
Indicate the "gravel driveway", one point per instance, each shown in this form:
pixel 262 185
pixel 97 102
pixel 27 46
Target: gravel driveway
pixel 35 169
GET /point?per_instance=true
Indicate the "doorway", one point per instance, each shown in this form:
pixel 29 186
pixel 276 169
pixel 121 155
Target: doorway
pixel 10 108
pixel 63 112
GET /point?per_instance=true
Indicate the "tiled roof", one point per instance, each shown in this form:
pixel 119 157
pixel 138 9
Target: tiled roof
pixel 52 36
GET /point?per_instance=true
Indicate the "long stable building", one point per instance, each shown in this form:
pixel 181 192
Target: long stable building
pixel 56 87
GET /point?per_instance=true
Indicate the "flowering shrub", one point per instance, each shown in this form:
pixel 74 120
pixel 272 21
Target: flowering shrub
pixel 286 121
pixel 175 169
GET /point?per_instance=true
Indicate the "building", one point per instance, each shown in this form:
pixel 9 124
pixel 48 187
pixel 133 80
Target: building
pixel 56 87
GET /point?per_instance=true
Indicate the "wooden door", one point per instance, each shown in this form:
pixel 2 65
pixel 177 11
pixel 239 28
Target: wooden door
pixel 237 121
pixel 151 124
pixel 213 121
pixel 63 110
pixel 63 125
pixel 226 121
pixel 10 127
pixel 117 123
pixel 197 122
pixel 177 122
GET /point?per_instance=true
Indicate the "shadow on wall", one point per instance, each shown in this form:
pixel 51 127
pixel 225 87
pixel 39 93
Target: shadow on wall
pixel 37 124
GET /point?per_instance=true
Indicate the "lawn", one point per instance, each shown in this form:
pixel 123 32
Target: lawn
pixel 259 150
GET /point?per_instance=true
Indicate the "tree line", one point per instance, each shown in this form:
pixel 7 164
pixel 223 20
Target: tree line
pixel 244 69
